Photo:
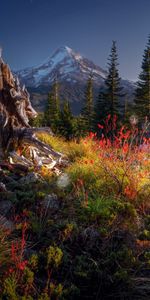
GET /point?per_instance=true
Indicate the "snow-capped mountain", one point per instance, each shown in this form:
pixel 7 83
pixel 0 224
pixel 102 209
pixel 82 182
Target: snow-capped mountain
pixel 65 64
pixel 72 70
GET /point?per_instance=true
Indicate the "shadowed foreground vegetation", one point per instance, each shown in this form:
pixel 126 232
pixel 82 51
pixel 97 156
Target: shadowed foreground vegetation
pixel 91 238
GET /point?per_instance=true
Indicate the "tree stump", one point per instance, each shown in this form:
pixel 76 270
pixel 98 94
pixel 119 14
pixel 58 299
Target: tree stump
pixel 15 112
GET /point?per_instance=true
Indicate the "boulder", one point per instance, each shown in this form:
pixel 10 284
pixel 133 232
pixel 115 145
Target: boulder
pixel 3 187
pixel 63 180
pixel 50 202
pixel 5 207
pixel 31 178
pixel 6 224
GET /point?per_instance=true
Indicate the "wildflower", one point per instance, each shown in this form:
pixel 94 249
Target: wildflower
pixel 115 118
pixel 11 270
pixel 126 135
pixel 23 242
pixel 13 251
pixel 25 213
pixel 125 148
pixel 121 131
pixel 91 135
pixel 114 122
pixel 17 218
pixel 21 266
pixel 80 181
pixel 100 126
pixel 130 192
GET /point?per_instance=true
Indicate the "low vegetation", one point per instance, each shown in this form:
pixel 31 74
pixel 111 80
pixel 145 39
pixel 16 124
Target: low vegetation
pixel 91 238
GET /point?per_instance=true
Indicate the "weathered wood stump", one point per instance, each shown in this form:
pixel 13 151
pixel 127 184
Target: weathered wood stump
pixel 15 112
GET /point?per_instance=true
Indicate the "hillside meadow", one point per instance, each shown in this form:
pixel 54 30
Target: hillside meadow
pixel 85 233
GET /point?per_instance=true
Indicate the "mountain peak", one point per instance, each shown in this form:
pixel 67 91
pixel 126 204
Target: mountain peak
pixel 66 48
pixel 67 51
pixel 66 64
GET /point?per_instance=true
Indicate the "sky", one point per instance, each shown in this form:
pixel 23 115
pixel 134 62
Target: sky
pixel 31 30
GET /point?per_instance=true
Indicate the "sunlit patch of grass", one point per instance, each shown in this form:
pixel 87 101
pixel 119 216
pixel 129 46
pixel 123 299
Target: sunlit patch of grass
pixel 71 149
pixel 57 143
pixel 76 150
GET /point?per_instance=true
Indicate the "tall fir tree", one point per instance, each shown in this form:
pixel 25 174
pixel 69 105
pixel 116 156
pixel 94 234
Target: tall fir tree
pixel 109 102
pixel 38 121
pixel 52 112
pixel 113 84
pixel 67 124
pixel 87 112
pixel 142 96
pixel 101 110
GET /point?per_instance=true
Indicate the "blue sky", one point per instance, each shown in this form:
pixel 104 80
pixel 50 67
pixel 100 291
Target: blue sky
pixel 31 30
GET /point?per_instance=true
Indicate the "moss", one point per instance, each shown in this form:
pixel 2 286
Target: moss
pixel 145 235
pixel 10 286
pixel 54 256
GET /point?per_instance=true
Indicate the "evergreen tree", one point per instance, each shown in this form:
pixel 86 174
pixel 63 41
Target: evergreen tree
pixel 38 121
pixel 88 109
pixel 108 102
pixel 52 112
pixel 113 86
pixel 80 127
pixel 128 111
pixel 142 97
pixel 100 110
pixel 67 127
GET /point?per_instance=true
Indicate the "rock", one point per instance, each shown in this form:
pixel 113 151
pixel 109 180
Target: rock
pixel 6 224
pixel 15 168
pixel 3 187
pixel 50 202
pixel 5 207
pixel 31 178
pixel 63 180
pixel 90 235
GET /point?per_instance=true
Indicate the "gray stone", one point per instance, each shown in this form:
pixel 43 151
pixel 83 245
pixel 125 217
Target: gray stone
pixel 31 178
pixel 5 207
pixel 50 202
pixel 3 187
pixel 90 234
pixel 6 224
pixel 63 181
